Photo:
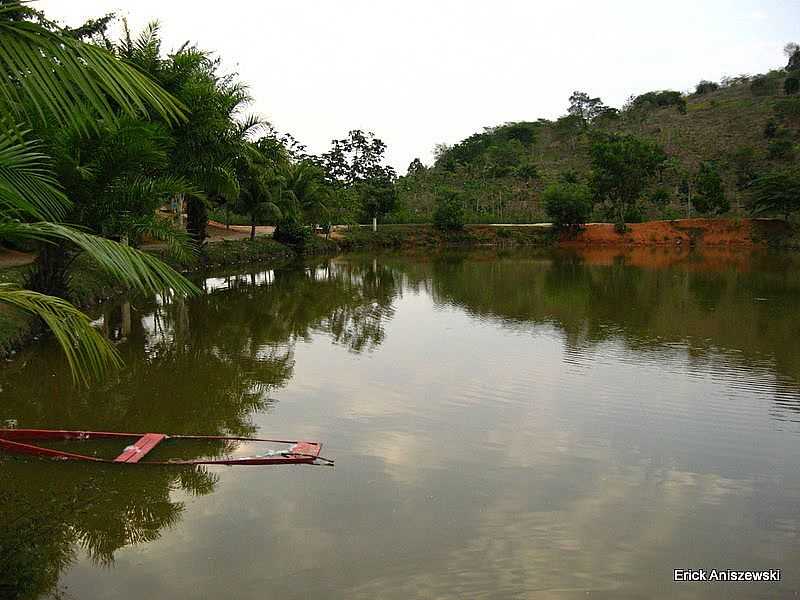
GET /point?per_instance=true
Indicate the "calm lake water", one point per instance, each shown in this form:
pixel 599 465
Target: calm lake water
pixel 522 425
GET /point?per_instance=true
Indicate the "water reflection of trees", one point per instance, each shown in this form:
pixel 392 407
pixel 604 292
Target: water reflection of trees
pixel 200 366
pixel 750 311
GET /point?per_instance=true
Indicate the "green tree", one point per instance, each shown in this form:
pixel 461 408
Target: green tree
pixel 710 193
pixel 449 212
pixel 792 51
pixel 356 163
pixel 585 107
pixel 49 76
pixel 568 205
pixel 261 185
pixel 622 167
pixel 777 192
pixel 207 144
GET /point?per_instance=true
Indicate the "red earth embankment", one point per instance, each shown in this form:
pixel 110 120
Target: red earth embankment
pixel 705 232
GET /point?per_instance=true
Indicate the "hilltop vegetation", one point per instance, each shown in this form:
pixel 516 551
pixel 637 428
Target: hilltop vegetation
pixel 717 141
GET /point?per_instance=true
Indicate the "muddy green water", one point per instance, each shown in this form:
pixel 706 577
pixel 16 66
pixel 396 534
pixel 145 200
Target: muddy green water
pixel 505 426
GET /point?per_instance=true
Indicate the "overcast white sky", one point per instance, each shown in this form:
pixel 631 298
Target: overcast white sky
pixel 420 72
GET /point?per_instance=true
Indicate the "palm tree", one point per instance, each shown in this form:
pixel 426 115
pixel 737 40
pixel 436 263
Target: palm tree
pixel 261 185
pixel 208 145
pixel 47 76
pixel 305 182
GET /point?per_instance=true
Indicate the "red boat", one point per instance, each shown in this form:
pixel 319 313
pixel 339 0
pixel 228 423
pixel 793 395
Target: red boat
pixel 19 441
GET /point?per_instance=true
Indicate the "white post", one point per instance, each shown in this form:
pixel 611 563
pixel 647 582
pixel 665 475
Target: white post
pixel 374 223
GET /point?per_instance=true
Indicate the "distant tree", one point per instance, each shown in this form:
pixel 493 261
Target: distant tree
pixel 709 196
pixel 704 87
pixel 449 212
pixel 764 85
pixel 660 197
pixel 777 192
pixel 622 166
pixel 568 205
pixel 527 171
pixel 569 128
pixel 791 86
pixel 355 163
pixel 659 99
pixel 585 107
pixel 792 51
pixel 415 167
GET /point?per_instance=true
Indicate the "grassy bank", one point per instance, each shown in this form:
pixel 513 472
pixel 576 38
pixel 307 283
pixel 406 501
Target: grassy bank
pixel 427 236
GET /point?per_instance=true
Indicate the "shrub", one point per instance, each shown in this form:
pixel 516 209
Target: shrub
pixel 568 205
pixel 791 86
pixel 660 196
pixel 788 108
pixel 780 148
pixel 710 197
pixel 291 232
pixel 764 86
pixel 449 212
pixel 770 129
pixel 705 87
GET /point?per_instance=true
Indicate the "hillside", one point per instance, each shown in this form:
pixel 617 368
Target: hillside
pixel 747 126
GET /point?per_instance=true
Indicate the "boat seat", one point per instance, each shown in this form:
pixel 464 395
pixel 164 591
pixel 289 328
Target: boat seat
pixel 136 451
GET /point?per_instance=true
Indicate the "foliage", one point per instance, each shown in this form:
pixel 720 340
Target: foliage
pixel 770 129
pixel 659 99
pixel 710 192
pixel 788 109
pixel 780 149
pixel 585 107
pixel 354 167
pixel 743 161
pixel 792 51
pixel 704 87
pixel 622 166
pixel 291 232
pixel 777 192
pixel 568 205
pixel 791 85
pixel 764 85
pixel 49 77
pixel 493 153
pixel 449 213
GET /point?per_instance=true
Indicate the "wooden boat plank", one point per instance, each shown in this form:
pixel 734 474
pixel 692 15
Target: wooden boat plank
pixel 137 451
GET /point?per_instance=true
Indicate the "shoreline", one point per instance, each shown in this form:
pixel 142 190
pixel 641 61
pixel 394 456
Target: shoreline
pixel 91 288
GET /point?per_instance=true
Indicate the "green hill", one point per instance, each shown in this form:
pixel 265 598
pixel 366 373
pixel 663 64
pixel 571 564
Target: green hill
pixel 747 126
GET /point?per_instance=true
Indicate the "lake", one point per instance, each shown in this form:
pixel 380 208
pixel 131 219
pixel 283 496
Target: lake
pixel 505 425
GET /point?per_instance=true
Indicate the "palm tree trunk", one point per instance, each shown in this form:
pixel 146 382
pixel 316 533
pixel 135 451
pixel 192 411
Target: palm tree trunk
pixel 252 227
pixel 196 220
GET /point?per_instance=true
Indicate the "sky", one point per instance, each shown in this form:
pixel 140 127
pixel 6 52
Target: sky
pixel 423 72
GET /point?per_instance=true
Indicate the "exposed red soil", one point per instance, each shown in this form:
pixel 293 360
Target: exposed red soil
pixel 705 232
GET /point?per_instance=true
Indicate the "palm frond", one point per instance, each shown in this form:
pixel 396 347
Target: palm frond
pixel 179 243
pixel 59 76
pixel 28 187
pixel 88 353
pixel 138 270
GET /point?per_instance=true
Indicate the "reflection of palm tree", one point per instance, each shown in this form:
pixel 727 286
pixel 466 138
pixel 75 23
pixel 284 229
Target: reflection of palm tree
pixel 198 366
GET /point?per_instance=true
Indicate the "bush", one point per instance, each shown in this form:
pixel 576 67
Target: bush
pixel 568 205
pixel 705 87
pixel 292 233
pixel 770 129
pixel 791 86
pixel 781 148
pixel 449 212
pixel 660 196
pixel 710 197
pixel 764 86
pixel 788 108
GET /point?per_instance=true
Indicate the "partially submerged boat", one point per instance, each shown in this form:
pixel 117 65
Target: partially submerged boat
pixel 21 441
